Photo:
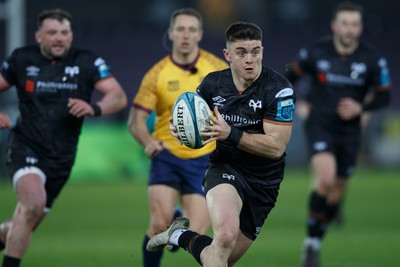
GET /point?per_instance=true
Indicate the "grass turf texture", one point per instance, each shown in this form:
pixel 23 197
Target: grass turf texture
pixel 95 224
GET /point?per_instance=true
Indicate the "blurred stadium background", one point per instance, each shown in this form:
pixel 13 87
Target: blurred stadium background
pixel 130 35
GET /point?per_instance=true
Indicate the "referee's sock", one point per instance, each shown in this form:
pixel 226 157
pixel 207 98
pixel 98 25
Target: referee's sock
pixel 151 259
pixel 10 261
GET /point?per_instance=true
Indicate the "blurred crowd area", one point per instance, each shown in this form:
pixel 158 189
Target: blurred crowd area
pixel 131 36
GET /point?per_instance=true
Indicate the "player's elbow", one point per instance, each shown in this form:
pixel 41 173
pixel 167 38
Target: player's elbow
pixel 276 153
pixel 123 100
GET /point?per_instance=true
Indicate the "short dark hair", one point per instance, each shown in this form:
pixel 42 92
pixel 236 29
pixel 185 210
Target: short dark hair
pixel 186 11
pixel 243 31
pixel 57 14
pixel 347 6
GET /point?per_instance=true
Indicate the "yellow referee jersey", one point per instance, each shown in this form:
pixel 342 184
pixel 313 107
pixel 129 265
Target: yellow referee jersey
pixel 162 85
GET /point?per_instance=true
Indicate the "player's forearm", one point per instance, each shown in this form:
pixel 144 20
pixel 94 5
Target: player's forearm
pixel 112 102
pixel 263 145
pixel 380 100
pixel 3 83
pixel 140 132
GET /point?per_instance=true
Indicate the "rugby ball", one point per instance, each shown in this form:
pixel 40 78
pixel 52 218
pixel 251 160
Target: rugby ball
pixel 190 116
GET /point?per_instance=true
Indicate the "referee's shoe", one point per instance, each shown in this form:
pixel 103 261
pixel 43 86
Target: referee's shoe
pixel 161 240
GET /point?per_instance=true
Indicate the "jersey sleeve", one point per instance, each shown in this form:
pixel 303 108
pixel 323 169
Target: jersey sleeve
pixel 100 69
pixel 8 69
pixel 303 62
pixel 380 74
pixel 280 104
pixel 204 89
pixel 146 96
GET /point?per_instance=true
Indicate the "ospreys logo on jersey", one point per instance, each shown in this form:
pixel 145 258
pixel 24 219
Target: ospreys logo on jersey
pixel 255 104
pixel 285 110
pixel 72 71
pixel 357 69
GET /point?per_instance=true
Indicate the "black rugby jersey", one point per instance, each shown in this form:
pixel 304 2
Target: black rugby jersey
pixel 270 98
pixel 43 88
pixel 335 77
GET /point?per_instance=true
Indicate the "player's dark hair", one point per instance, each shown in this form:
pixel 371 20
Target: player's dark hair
pixel 186 11
pixel 347 6
pixel 57 14
pixel 243 31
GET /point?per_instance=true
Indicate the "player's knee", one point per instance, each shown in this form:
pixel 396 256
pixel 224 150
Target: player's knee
pixel 225 238
pixel 4 228
pixel 325 184
pixel 31 213
pixel 160 225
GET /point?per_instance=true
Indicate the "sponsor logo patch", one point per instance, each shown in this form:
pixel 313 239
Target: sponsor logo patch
pixel 284 92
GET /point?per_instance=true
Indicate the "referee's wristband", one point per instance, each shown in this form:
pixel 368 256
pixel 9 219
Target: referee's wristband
pixel 235 136
pixel 97 110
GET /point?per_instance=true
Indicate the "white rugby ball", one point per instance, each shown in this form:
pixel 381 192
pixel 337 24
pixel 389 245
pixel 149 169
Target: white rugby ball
pixel 190 116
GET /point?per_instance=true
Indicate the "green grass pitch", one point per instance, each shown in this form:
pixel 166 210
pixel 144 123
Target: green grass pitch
pixel 101 224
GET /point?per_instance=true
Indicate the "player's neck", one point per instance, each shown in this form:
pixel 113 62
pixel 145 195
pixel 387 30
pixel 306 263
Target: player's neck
pixel 343 49
pixel 242 84
pixel 185 58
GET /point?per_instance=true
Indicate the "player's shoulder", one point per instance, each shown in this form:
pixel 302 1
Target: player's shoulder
pixel 321 46
pixel 275 78
pixel 206 55
pixel 216 76
pixel 27 50
pixel 214 80
pixel 161 64
pixel 368 49
pixel 316 49
pixel 87 54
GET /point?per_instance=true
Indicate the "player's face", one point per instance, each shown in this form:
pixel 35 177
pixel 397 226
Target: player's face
pixel 185 34
pixel 347 28
pixel 54 38
pixel 245 57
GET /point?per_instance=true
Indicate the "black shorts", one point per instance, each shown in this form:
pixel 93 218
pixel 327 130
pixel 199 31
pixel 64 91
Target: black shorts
pixel 345 147
pixel 21 159
pixel 258 200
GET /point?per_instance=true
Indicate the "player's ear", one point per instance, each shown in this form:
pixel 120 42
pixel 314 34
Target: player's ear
pixel 333 26
pixel 170 34
pixel 227 55
pixel 38 37
pixel 200 36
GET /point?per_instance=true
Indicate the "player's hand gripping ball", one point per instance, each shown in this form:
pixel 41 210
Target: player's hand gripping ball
pixel 190 116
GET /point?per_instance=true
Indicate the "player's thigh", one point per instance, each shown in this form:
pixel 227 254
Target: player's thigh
pixel 224 205
pixel 25 172
pixel 348 150
pixel 30 190
pixel 195 208
pixel 324 167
